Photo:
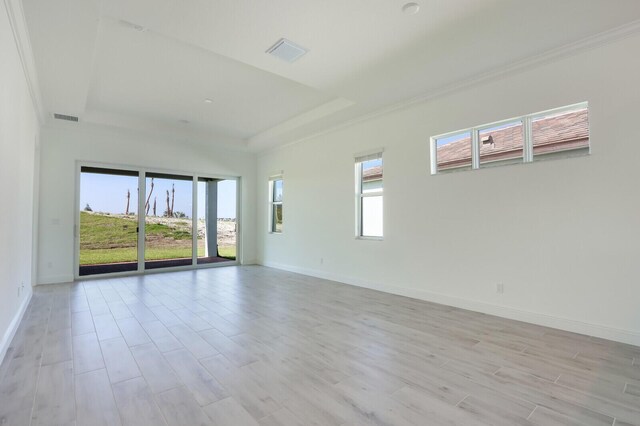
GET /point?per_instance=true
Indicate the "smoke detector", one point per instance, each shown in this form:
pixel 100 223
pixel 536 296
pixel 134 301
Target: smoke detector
pixel 287 50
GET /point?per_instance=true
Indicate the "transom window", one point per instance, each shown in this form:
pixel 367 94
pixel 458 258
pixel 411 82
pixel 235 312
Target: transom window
pixel 560 132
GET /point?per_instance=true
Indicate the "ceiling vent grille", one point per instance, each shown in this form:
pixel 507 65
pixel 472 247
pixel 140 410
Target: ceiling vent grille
pixel 287 50
pixel 65 117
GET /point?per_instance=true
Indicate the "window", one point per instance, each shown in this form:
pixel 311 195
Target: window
pixel 555 133
pixel 275 204
pixel 369 193
pixel 501 143
pixel 559 132
pixel 454 151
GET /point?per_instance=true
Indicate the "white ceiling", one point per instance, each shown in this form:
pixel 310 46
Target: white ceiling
pixel 94 62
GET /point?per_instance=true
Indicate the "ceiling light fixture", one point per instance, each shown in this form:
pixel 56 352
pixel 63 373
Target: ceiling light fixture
pixel 208 101
pixel 411 8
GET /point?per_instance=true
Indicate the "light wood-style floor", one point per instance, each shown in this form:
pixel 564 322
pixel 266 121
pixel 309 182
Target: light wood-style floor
pixel 258 346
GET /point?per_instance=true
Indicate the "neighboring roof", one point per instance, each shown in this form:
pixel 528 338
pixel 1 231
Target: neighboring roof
pixel 371 174
pixel 553 133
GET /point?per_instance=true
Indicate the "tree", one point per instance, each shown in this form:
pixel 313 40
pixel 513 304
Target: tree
pixel 168 212
pixel 155 199
pixel 88 208
pixel 126 212
pixel 146 205
pixel 173 194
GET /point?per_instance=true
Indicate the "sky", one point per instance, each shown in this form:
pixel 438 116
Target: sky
pixel 108 193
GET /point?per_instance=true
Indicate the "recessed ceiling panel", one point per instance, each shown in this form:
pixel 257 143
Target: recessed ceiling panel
pixel 146 74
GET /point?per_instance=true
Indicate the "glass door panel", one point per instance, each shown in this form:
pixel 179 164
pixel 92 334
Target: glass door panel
pixel 217 230
pixel 168 222
pixel 108 221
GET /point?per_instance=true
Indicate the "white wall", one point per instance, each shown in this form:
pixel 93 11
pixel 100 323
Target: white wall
pixel 18 136
pixel 63 144
pixel 563 236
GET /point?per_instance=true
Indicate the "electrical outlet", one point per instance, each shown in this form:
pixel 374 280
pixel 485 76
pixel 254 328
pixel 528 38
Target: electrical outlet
pixel 322 260
pixel 499 288
pixel 49 264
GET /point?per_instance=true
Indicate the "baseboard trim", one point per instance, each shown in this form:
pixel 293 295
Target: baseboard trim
pixel 13 327
pixel 567 324
pixel 56 279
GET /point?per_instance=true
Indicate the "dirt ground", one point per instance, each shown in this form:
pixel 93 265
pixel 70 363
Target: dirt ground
pixel 226 229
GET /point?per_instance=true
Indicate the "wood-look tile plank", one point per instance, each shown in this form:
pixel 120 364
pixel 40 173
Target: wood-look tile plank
pixel 55 398
pixel 119 310
pixel 60 320
pixel 240 385
pixel 141 312
pixel 180 408
pixel 165 316
pixel 192 320
pixel 436 410
pixel 282 417
pixel 155 369
pixel 57 346
pixel 633 390
pixel 234 352
pixel 227 412
pixel 87 355
pixel 94 400
pixel 136 403
pixel 118 360
pixel 545 417
pixel 204 387
pixel 132 331
pixel 192 341
pixel 161 336
pixel 82 323
pixel 106 327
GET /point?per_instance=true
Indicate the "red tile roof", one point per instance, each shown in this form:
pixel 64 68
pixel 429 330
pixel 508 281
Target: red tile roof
pixel 553 133
pixel 372 173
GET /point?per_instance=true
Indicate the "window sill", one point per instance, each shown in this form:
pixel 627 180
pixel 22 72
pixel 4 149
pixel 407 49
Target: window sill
pixel 537 160
pixel 361 237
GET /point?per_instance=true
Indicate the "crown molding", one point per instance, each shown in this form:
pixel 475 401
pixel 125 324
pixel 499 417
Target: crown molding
pixel 18 23
pixel 585 44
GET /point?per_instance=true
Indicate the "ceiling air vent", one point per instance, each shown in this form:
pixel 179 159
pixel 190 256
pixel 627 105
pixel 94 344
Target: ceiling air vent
pixel 287 50
pixel 65 117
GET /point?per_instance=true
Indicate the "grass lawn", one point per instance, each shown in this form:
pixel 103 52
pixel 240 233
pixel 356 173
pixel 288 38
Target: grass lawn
pixel 107 239
pixel 118 255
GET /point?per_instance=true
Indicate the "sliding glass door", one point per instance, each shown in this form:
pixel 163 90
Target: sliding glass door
pixel 217 229
pixel 108 228
pixel 168 236
pixel 187 220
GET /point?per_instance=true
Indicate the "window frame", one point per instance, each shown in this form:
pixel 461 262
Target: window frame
pixel 273 203
pixel 359 194
pixel 527 128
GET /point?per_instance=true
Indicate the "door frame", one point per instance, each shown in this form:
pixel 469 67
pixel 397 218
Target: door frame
pixel 142 171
